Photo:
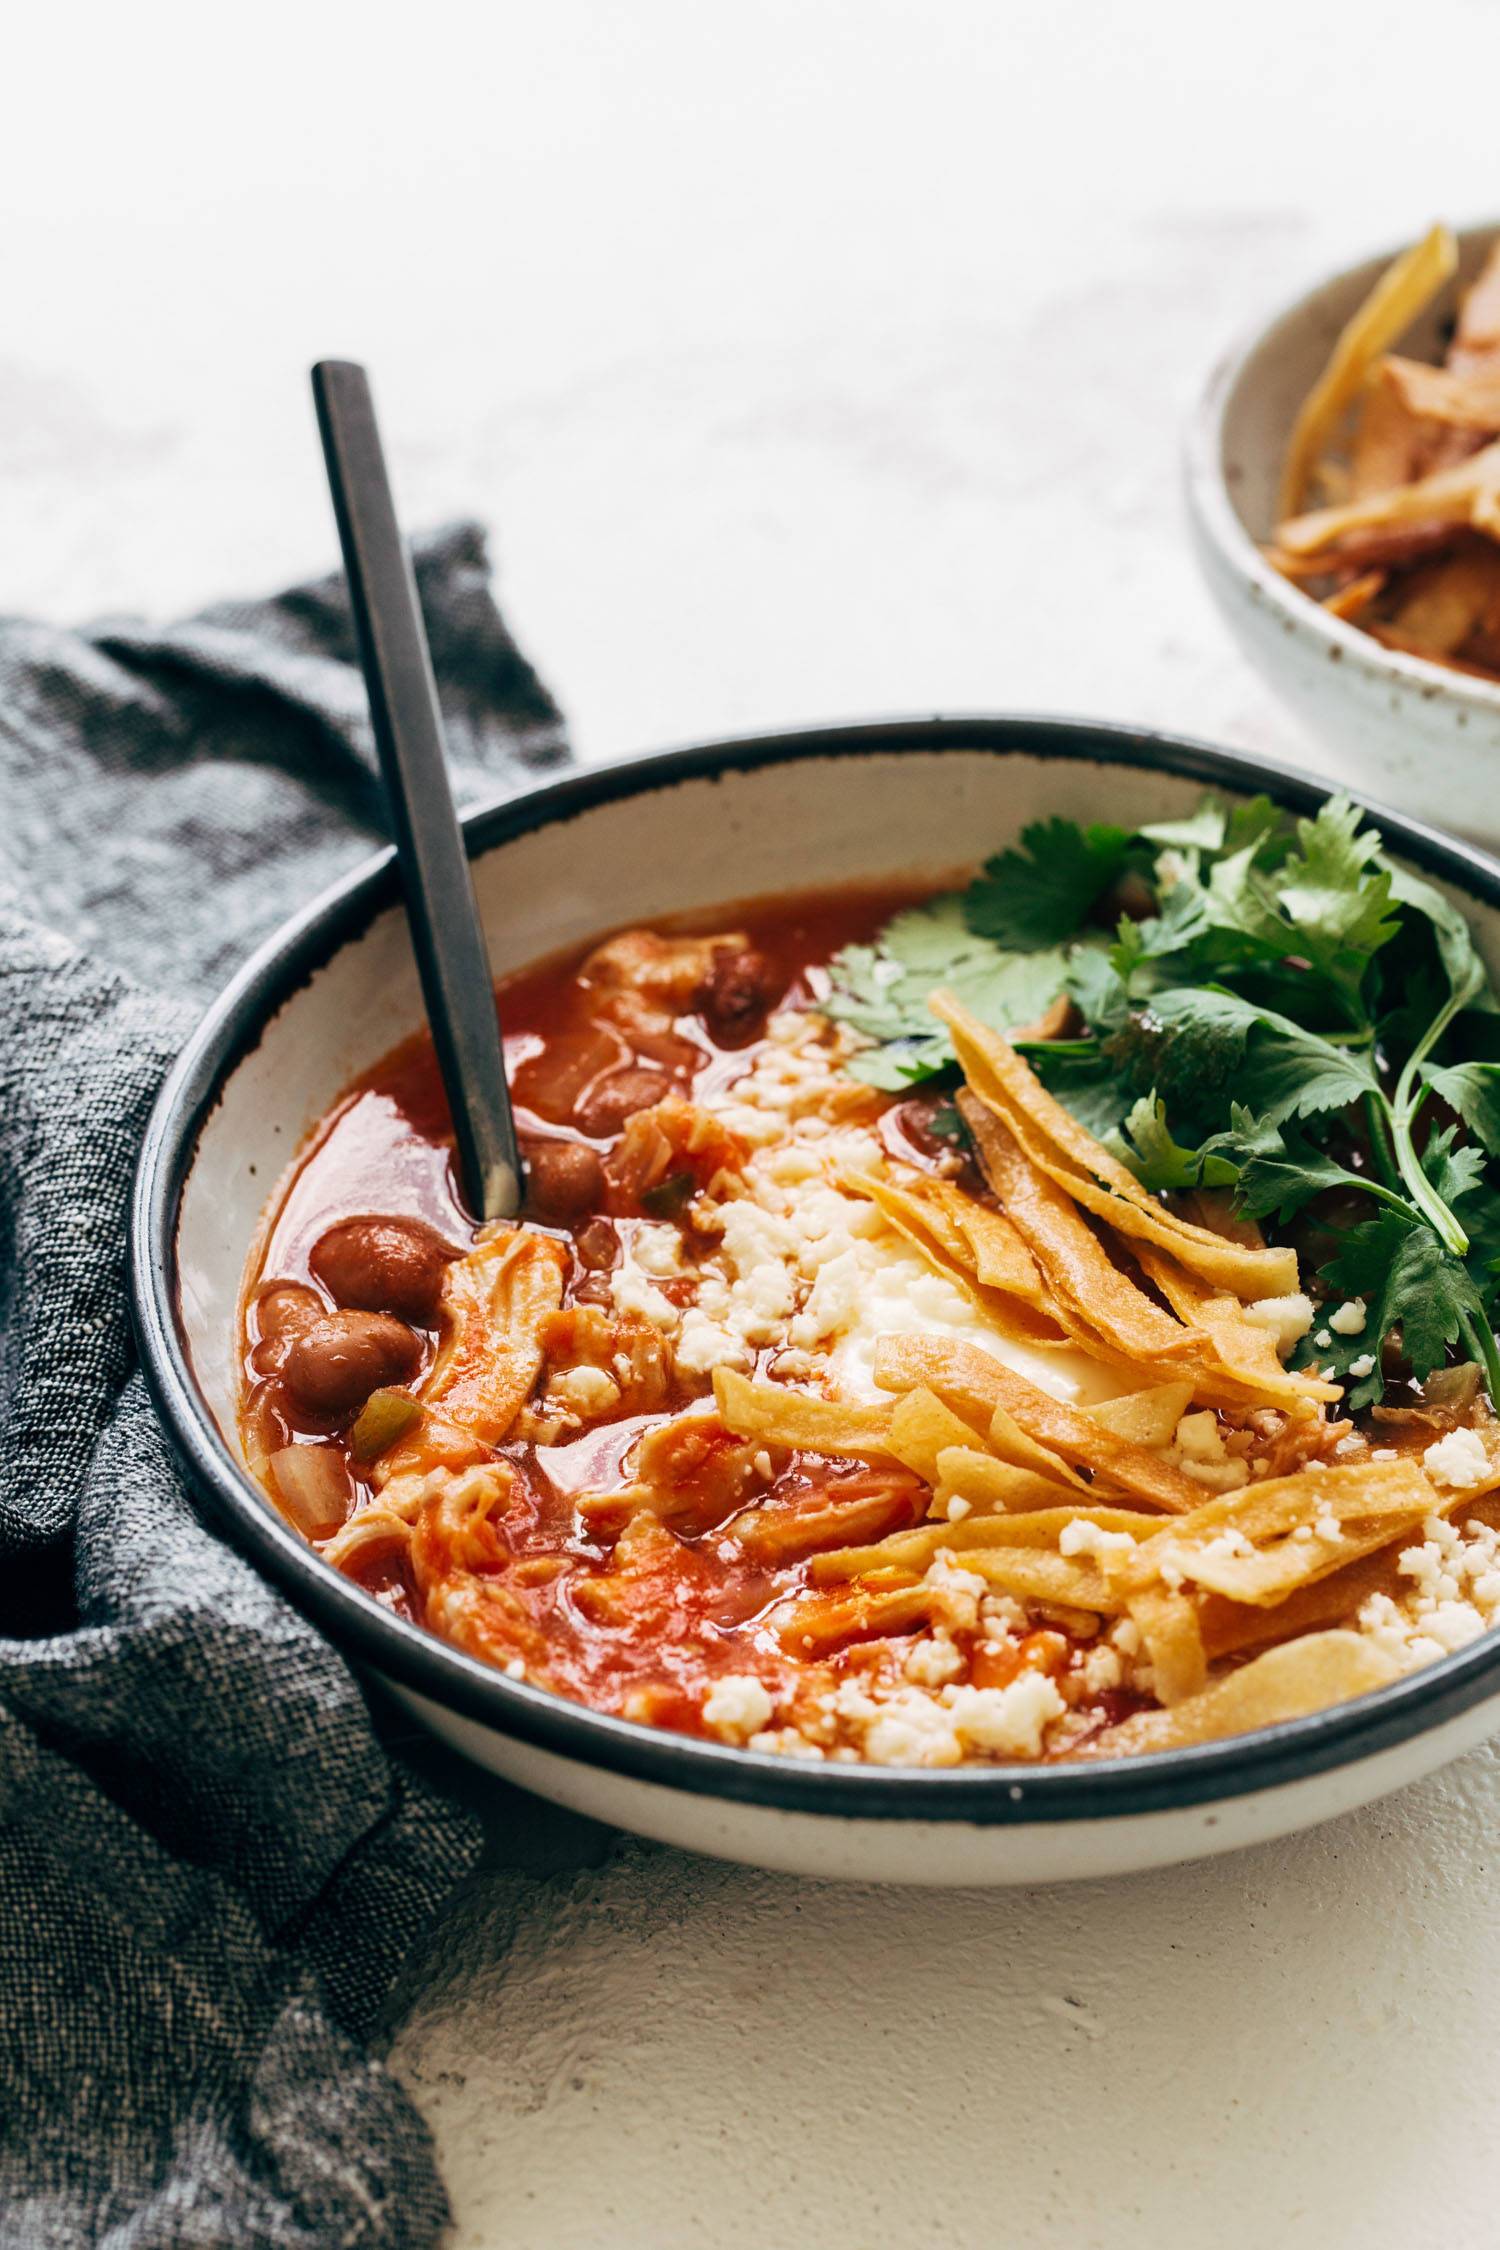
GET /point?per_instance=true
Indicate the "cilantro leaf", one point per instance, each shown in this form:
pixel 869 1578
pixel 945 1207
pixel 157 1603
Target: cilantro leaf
pixel 885 991
pixel 1278 1171
pixel 1041 894
pixel 1409 1282
pixel 1202 831
pixel 1473 1090
pixel 1097 989
pixel 1086 1083
pixel 1144 1143
pixel 1454 1172
pixel 1209 1046
pixel 1334 889
pixel 1455 944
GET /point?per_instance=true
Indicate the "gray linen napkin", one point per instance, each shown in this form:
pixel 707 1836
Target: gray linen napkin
pixel 209 1868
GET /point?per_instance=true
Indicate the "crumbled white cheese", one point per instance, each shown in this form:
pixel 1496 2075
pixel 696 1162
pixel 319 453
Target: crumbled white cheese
pixel 633 1291
pixel 1080 1537
pixel 1229 1545
pixel 586 1391
pixel 1200 1453
pixel 1363 1366
pixel 1288 1318
pixel 1006 1722
pixel 958 1593
pixel 932 1663
pixel 656 1248
pixel 1101 1668
pixel 1457 1460
pixel 1453 1594
pixel 1199 1437
pixel 1349 1319
pixel 785 1742
pixel 737 1706
pixel 1322 1339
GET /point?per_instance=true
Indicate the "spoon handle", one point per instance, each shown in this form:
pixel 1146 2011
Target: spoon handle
pixel 452 960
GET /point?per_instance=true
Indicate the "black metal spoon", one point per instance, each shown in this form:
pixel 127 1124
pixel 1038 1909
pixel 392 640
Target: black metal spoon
pixel 452 960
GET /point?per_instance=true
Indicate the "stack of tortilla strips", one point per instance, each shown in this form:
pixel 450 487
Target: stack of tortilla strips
pixel 1402 459
pixel 1088 1513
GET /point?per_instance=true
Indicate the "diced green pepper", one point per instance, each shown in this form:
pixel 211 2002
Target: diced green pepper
pixel 670 1197
pixel 384 1417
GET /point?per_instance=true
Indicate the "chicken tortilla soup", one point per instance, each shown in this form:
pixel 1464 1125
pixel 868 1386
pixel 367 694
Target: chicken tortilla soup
pixel 1049 1318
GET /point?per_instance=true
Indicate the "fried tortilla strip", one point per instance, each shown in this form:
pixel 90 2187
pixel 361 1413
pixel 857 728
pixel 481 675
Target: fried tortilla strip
pixel 1385 547
pixel 975 1382
pixel 1225 1545
pixel 1100 1305
pixel 1463 494
pixel 1351 601
pixel 1228 1360
pixel 1060 1147
pixel 978 1480
pixel 1228 1627
pixel 1012 1444
pixel 1146 1417
pixel 1018 1306
pixel 1436 394
pixel 1285 1683
pixel 914 1550
pixel 1385 444
pixel 1033 1574
pixel 1242 1349
pixel 1388 311
pixel 922 1428
pixel 1476 336
pixel 1168 1624
pixel 779 1416
pixel 1441 605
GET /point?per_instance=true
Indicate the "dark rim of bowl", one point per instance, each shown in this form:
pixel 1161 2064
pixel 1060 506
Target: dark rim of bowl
pixel 418 1661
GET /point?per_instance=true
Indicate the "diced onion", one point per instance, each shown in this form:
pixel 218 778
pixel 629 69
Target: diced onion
pixel 313 1486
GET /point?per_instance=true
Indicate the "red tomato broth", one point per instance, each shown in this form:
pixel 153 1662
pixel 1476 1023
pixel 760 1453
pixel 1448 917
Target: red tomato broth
pixel 640 1625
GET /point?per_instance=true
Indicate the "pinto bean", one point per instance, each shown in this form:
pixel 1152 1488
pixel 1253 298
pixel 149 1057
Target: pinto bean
pixel 598 1246
pixel 283 1312
pixel 333 1366
pixel 611 1100
pixel 382 1265
pixel 563 1180
pixel 737 992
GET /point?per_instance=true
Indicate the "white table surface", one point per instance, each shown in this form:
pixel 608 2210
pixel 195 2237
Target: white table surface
pixel 810 358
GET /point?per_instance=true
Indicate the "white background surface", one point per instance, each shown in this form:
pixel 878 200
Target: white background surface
pixel 809 359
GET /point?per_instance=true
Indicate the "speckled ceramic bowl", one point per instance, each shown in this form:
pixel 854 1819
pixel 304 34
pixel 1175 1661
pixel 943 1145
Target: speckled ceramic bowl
pixel 338 986
pixel 1423 738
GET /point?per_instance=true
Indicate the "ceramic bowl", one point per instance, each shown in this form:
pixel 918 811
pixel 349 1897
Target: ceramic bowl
pixel 1423 738
pixel 337 987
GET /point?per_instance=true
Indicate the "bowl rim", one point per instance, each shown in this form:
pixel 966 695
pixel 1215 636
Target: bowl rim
pixel 1219 519
pixel 462 1684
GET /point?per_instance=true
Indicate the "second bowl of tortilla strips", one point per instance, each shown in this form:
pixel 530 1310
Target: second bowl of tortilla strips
pixel 1343 475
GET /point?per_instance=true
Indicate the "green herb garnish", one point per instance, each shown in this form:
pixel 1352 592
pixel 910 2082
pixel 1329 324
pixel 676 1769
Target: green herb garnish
pixel 670 1197
pixel 1280 1023
pixel 385 1416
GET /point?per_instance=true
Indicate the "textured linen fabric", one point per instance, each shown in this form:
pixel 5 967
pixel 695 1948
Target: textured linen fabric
pixel 209 1868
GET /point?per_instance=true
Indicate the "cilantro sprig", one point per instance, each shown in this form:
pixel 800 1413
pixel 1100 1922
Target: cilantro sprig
pixel 1283 1015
